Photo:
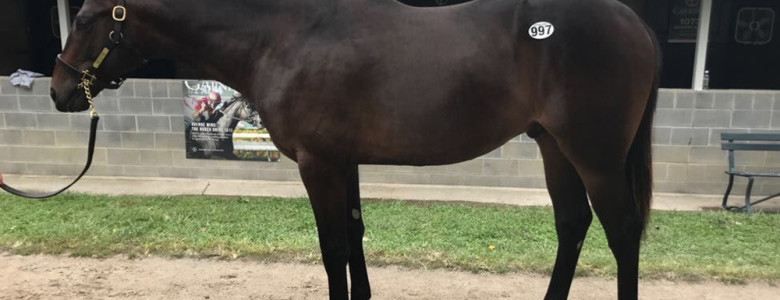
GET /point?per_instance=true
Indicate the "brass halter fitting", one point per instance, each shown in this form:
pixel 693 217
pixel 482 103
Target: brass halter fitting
pixel 87 79
pixel 119 13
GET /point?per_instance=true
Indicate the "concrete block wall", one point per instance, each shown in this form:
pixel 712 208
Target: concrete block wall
pixel 687 132
pixel 142 134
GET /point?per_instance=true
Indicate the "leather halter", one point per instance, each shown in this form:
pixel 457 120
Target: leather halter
pixel 88 79
pixel 115 39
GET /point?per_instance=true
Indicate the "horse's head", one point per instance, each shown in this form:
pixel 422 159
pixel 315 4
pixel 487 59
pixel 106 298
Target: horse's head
pixel 98 51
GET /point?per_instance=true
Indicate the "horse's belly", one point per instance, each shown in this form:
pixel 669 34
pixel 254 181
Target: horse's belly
pixel 441 138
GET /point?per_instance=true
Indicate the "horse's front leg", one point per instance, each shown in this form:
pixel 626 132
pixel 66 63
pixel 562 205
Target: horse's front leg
pixel 355 230
pixel 329 187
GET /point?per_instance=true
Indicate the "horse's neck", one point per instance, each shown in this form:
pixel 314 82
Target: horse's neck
pixel 222 39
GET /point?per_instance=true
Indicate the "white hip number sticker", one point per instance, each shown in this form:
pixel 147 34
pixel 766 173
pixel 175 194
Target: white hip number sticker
pixel 541 30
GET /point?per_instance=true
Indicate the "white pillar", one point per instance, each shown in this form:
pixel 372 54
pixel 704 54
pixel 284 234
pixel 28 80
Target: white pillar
pixel 702 41
pixel 63 8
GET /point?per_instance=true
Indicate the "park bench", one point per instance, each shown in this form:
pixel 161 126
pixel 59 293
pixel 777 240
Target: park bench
pixel 747 142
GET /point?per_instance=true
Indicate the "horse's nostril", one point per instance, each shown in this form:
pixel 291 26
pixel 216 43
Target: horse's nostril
pixel 53 94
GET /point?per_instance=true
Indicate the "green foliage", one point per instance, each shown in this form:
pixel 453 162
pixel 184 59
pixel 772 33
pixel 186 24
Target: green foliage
pixel 679 245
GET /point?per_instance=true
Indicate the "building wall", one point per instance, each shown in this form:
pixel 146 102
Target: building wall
pixel 142 134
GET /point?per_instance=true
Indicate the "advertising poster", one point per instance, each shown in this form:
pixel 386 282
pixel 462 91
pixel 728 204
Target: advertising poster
pixel 221 124
pixel 684 21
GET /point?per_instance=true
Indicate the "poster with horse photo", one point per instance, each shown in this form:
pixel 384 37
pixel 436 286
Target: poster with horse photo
pixel 220 123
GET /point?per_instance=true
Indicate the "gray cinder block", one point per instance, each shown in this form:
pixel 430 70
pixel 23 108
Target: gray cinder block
pixel 154 124
pixel 665 99
pixel 71 138
pixel 724 100
pixel 138 106
pixel 143 89
pixel 712 118
pixel 690 136
pixel 501 167
pixel 702 154
pixel 38 137
pixel 156 158
pixel 55 121
pixel 20 120
pixel 684 99
pixel 750 119
pixel 159 89
pixel 169 141
pixel 9 103
pixel 10 137
pixel 124 157
pixel 520 150
pixel 137 140
pixel 673 117
pixel 763 101
pixel 36 104
pixel 662 135
pixel 6 88
pixel 743 100
pixel 168 107
pixel 119 123
pixel 670 154
pixel 704 100
pixel 107 105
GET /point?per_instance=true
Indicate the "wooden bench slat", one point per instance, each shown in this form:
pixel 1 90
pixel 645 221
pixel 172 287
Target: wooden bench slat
pixel 750 136
pixel 754 174
pixel 750 147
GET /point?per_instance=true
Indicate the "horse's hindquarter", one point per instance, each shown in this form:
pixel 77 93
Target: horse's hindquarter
pixel 595 72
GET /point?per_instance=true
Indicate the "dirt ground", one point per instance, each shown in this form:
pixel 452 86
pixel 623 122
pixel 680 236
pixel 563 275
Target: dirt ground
pixel 57 277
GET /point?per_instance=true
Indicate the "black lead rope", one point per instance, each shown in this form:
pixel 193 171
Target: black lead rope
pixel 90 152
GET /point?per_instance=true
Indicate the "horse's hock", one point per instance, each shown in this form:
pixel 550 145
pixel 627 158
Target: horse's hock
pixel 142 134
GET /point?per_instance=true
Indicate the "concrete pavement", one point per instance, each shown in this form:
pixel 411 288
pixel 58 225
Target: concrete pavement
pixel 218 187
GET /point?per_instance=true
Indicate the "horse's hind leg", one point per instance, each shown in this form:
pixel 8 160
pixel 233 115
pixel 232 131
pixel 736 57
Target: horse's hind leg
pixel 355 230
pixel 622 224
pixel 572 214
pixel 604 171
pixel 327 185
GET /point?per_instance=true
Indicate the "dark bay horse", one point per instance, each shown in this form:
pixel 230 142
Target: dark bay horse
pixel 340 83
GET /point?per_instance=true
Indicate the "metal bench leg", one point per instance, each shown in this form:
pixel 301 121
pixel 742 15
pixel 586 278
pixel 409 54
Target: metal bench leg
pixel 728 191
pixel 748 207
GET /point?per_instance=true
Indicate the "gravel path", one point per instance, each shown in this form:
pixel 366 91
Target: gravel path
pixel 58 277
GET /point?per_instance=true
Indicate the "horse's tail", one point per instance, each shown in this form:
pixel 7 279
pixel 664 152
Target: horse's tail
pixel 639 161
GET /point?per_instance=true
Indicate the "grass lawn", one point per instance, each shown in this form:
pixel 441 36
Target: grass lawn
pixel 679 245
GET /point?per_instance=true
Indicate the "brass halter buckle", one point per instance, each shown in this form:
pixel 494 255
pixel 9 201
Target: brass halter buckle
pixel 119 13
pixel 87 79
